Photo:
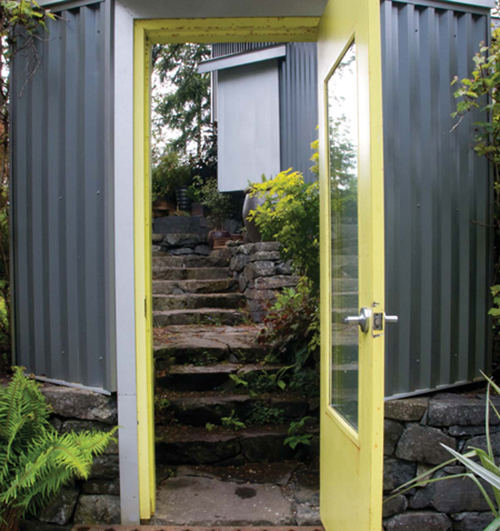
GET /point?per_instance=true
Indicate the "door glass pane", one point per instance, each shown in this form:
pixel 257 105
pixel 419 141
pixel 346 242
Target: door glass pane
pixel 343 134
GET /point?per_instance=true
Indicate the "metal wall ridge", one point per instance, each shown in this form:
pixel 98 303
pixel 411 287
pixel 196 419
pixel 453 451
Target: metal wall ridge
pixel 438 195
pixel 61 202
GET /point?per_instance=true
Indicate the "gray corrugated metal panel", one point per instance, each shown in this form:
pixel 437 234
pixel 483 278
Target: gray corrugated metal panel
pixel 438 202
pixel 230 48
pixel 61 186
pixel 298 107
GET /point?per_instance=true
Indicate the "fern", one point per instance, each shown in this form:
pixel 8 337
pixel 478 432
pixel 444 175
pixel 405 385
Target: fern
pixel 35 460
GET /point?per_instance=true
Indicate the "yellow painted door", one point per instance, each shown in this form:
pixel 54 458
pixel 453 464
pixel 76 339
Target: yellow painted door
pixel 352 255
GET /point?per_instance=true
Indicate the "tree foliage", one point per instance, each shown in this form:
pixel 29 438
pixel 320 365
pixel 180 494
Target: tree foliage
pixel 184 106
pixel 482 92
pixel 35 460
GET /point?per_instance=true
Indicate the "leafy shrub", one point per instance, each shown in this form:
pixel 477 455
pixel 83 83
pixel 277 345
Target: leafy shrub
pixel 263 414
pixel 297 433
pixel 219 204
pixel 292 326
pixel 35 460
pixel 290 215
pixel 170 173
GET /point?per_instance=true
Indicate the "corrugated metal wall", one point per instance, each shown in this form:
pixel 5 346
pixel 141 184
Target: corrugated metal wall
pixel 438 201
pixel 298 100
pixel 299 107
pixel 62 201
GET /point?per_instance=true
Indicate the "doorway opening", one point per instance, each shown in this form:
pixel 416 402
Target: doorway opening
pixel 236 419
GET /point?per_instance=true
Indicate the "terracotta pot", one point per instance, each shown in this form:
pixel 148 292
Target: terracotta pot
pixel 251 203
pixel 198 210
pixel 217 234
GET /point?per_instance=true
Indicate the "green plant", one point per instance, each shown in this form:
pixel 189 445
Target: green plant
pixel 169 174
pixel 220 205
pixel 262 414
pixel 297 435
pixel 233 422
pixel 292 325
pixel 209 426
pixel 276 378
pixel 290 215
pixel 35 460
pixel 195 189
pixel 481 92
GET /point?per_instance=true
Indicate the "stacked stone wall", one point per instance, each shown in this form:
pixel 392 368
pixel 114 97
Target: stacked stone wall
pixel 97 500
pixel 261 273
pixel 415 430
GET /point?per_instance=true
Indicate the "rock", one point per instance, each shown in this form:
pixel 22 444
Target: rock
pixel 264 255
pixel 397 473
pixel 450 496
pixel 423 444
pixel 471 521
pixel 406 410
pixel 307 486
pixel 284 268
pixel 158 238
pixel 56 423
pixel 180 251
pixel 480 442
pixel 156 248
pixel 238 262
pixel 184 240
pixel 256 306
pixel 452 409
pixel 61 509
pixel 395 505
pixel 418 521
pixel 392 433
pixel 260 294
pixel 102 486
pixel 203 250
pixel 259 269
pixel 276 282
pixel 242 283
pixel 464 431
pixel 105 467
pixel 307 515
pixel 266 246
pixel 95 509
pixel 180 225
pixel 81 404
pixel 261 445
pixel 77 426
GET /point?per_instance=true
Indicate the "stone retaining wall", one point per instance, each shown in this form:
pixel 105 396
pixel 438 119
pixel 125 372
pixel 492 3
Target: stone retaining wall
pixel 97 500
pixel 414 431
pixel 260 272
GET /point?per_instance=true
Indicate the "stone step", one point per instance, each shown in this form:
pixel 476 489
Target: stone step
pixel 179 287
pixel 197 301
pixel 191 273
pixel 205 345
pixel 209 377
pixel 200 408
pixel 185 445
pixel 215 259
pixel 216 317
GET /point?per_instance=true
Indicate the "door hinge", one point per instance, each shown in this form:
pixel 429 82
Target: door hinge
pixel 145 307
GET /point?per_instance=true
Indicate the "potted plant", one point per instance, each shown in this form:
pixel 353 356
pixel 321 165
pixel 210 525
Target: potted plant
pixel 220 206
pixel 195 193
pixel 171 176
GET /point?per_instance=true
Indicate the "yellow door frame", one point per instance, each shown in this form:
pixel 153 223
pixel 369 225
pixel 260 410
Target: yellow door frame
pixel 147 33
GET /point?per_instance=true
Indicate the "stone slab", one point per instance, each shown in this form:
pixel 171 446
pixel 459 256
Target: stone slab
pixel 200 501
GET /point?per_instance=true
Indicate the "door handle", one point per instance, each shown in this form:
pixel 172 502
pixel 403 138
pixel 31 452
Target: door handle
pixel 391 318
pixel 363 319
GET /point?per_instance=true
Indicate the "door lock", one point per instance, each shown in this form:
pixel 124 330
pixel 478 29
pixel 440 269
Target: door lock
pixel 363 319
pixel 379 318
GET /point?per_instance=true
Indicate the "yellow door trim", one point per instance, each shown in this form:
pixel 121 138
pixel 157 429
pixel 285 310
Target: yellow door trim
pixel 147 33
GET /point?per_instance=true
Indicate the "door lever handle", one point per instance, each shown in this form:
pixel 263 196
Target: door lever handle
pixel 363 319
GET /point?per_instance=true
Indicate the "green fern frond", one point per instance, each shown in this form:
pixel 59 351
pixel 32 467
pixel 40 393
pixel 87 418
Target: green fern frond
pixel 35 460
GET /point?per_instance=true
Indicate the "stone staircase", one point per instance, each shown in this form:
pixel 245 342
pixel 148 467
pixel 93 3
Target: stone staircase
pixel 215 408
pixel 214 402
